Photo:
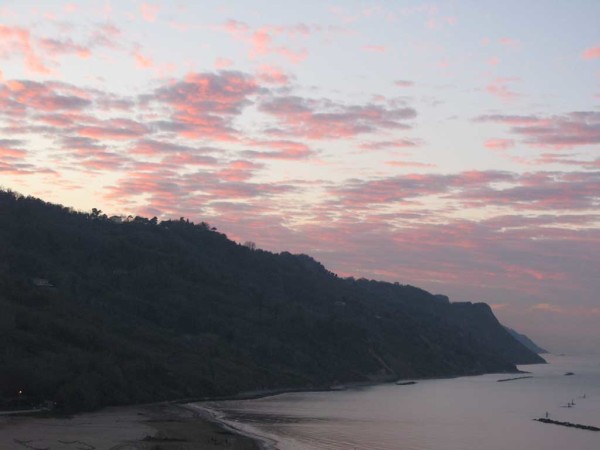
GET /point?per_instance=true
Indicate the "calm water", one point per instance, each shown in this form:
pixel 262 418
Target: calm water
pixel 469 413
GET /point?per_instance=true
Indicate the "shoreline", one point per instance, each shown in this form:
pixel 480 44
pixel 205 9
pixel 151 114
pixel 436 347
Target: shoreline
pixel 218 419
pixel 257 394
pixel 266 443
pixel 168 425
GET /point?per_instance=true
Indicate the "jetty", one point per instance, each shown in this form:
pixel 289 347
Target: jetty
pixel 568 424
pixel 516 378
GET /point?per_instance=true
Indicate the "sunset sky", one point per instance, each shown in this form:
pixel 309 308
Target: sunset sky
pixel 451 145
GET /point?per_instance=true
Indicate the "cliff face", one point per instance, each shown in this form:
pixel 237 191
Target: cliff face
pixel 97 312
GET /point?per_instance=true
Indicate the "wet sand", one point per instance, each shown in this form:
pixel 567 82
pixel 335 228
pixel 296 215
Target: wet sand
pixel 149 427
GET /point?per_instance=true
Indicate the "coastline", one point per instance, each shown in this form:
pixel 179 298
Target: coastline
pixel 214 416
pixel 203 405
pixel 316 419
pixel 257 394
pixel 174 425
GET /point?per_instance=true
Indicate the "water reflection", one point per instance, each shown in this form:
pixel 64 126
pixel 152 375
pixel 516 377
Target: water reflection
pixel 452 414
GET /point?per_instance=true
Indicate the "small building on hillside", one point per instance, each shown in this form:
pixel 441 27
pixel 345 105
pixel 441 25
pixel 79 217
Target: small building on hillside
pixel 41 283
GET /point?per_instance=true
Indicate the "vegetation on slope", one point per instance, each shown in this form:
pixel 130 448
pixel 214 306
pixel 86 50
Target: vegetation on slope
pixel 95 312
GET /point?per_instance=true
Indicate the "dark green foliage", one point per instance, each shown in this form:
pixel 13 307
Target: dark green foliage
pixel 95 312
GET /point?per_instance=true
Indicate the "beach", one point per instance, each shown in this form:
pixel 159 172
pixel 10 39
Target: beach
pixel 149 427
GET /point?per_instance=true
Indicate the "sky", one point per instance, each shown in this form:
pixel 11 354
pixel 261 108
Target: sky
pixel 450 145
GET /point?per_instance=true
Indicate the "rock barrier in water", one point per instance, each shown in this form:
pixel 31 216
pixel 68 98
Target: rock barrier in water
pixel 512 379
pixel 568 424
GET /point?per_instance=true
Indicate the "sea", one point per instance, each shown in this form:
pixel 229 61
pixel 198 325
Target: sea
pixel 465 413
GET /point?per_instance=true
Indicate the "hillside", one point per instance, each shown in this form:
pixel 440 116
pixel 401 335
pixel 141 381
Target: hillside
pixel 526 341
pixel 95 312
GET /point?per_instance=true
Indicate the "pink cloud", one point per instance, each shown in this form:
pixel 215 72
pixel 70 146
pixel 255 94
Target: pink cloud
pixel 314 119
pixel 151 147
pixel 239 170
pixel 494 61
pixel 88 155
pixel 499 144
pixel 404 83
pixel 18 41
pixel 507 119
pixel 375 48
pixel 261 43
pixel 500 88
pixel 142 61
pixel 272 75
pixel 499 306
pixel 41 55
pixel 410 164
pixel 223 63
pixel 174 154
pixel 19 96
pixel 204 104
pixel 539 275
pixel 547 307
pixel 113 129
pixel 236 28
pixel 565 310
pixel 62 119
pixel 280 149
pixel 444 63
pixel 9 150
pixel 262 40
pixel 472 189
pixel 591 53
pixel 293 56
pixel 23 169
pixel 540 191
pixel 564 131
pixel 81 145
pixel 381 145
pixel 106 35
pixel 149 11
pixel 55 47
pixel 569 160
pixel 175 194
pixel 178 160
pixel 509 42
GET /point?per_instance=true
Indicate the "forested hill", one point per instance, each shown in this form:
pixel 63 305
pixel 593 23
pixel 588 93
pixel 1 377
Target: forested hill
pixel 526 341
pixel 95 312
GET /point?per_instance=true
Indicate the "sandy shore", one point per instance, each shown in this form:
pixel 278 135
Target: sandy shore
pixel 149 427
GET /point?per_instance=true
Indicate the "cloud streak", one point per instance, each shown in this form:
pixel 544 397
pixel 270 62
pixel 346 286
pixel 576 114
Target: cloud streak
pixel 579 128
pixel 324 119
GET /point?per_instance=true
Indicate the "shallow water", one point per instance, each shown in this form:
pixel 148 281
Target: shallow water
pixel 450 414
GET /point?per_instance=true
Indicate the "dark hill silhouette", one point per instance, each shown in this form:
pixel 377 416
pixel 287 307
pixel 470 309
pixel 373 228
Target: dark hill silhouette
pixel 526 341
pixel 95 312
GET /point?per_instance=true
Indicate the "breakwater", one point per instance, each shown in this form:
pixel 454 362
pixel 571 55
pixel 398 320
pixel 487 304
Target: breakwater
pixel 568 424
